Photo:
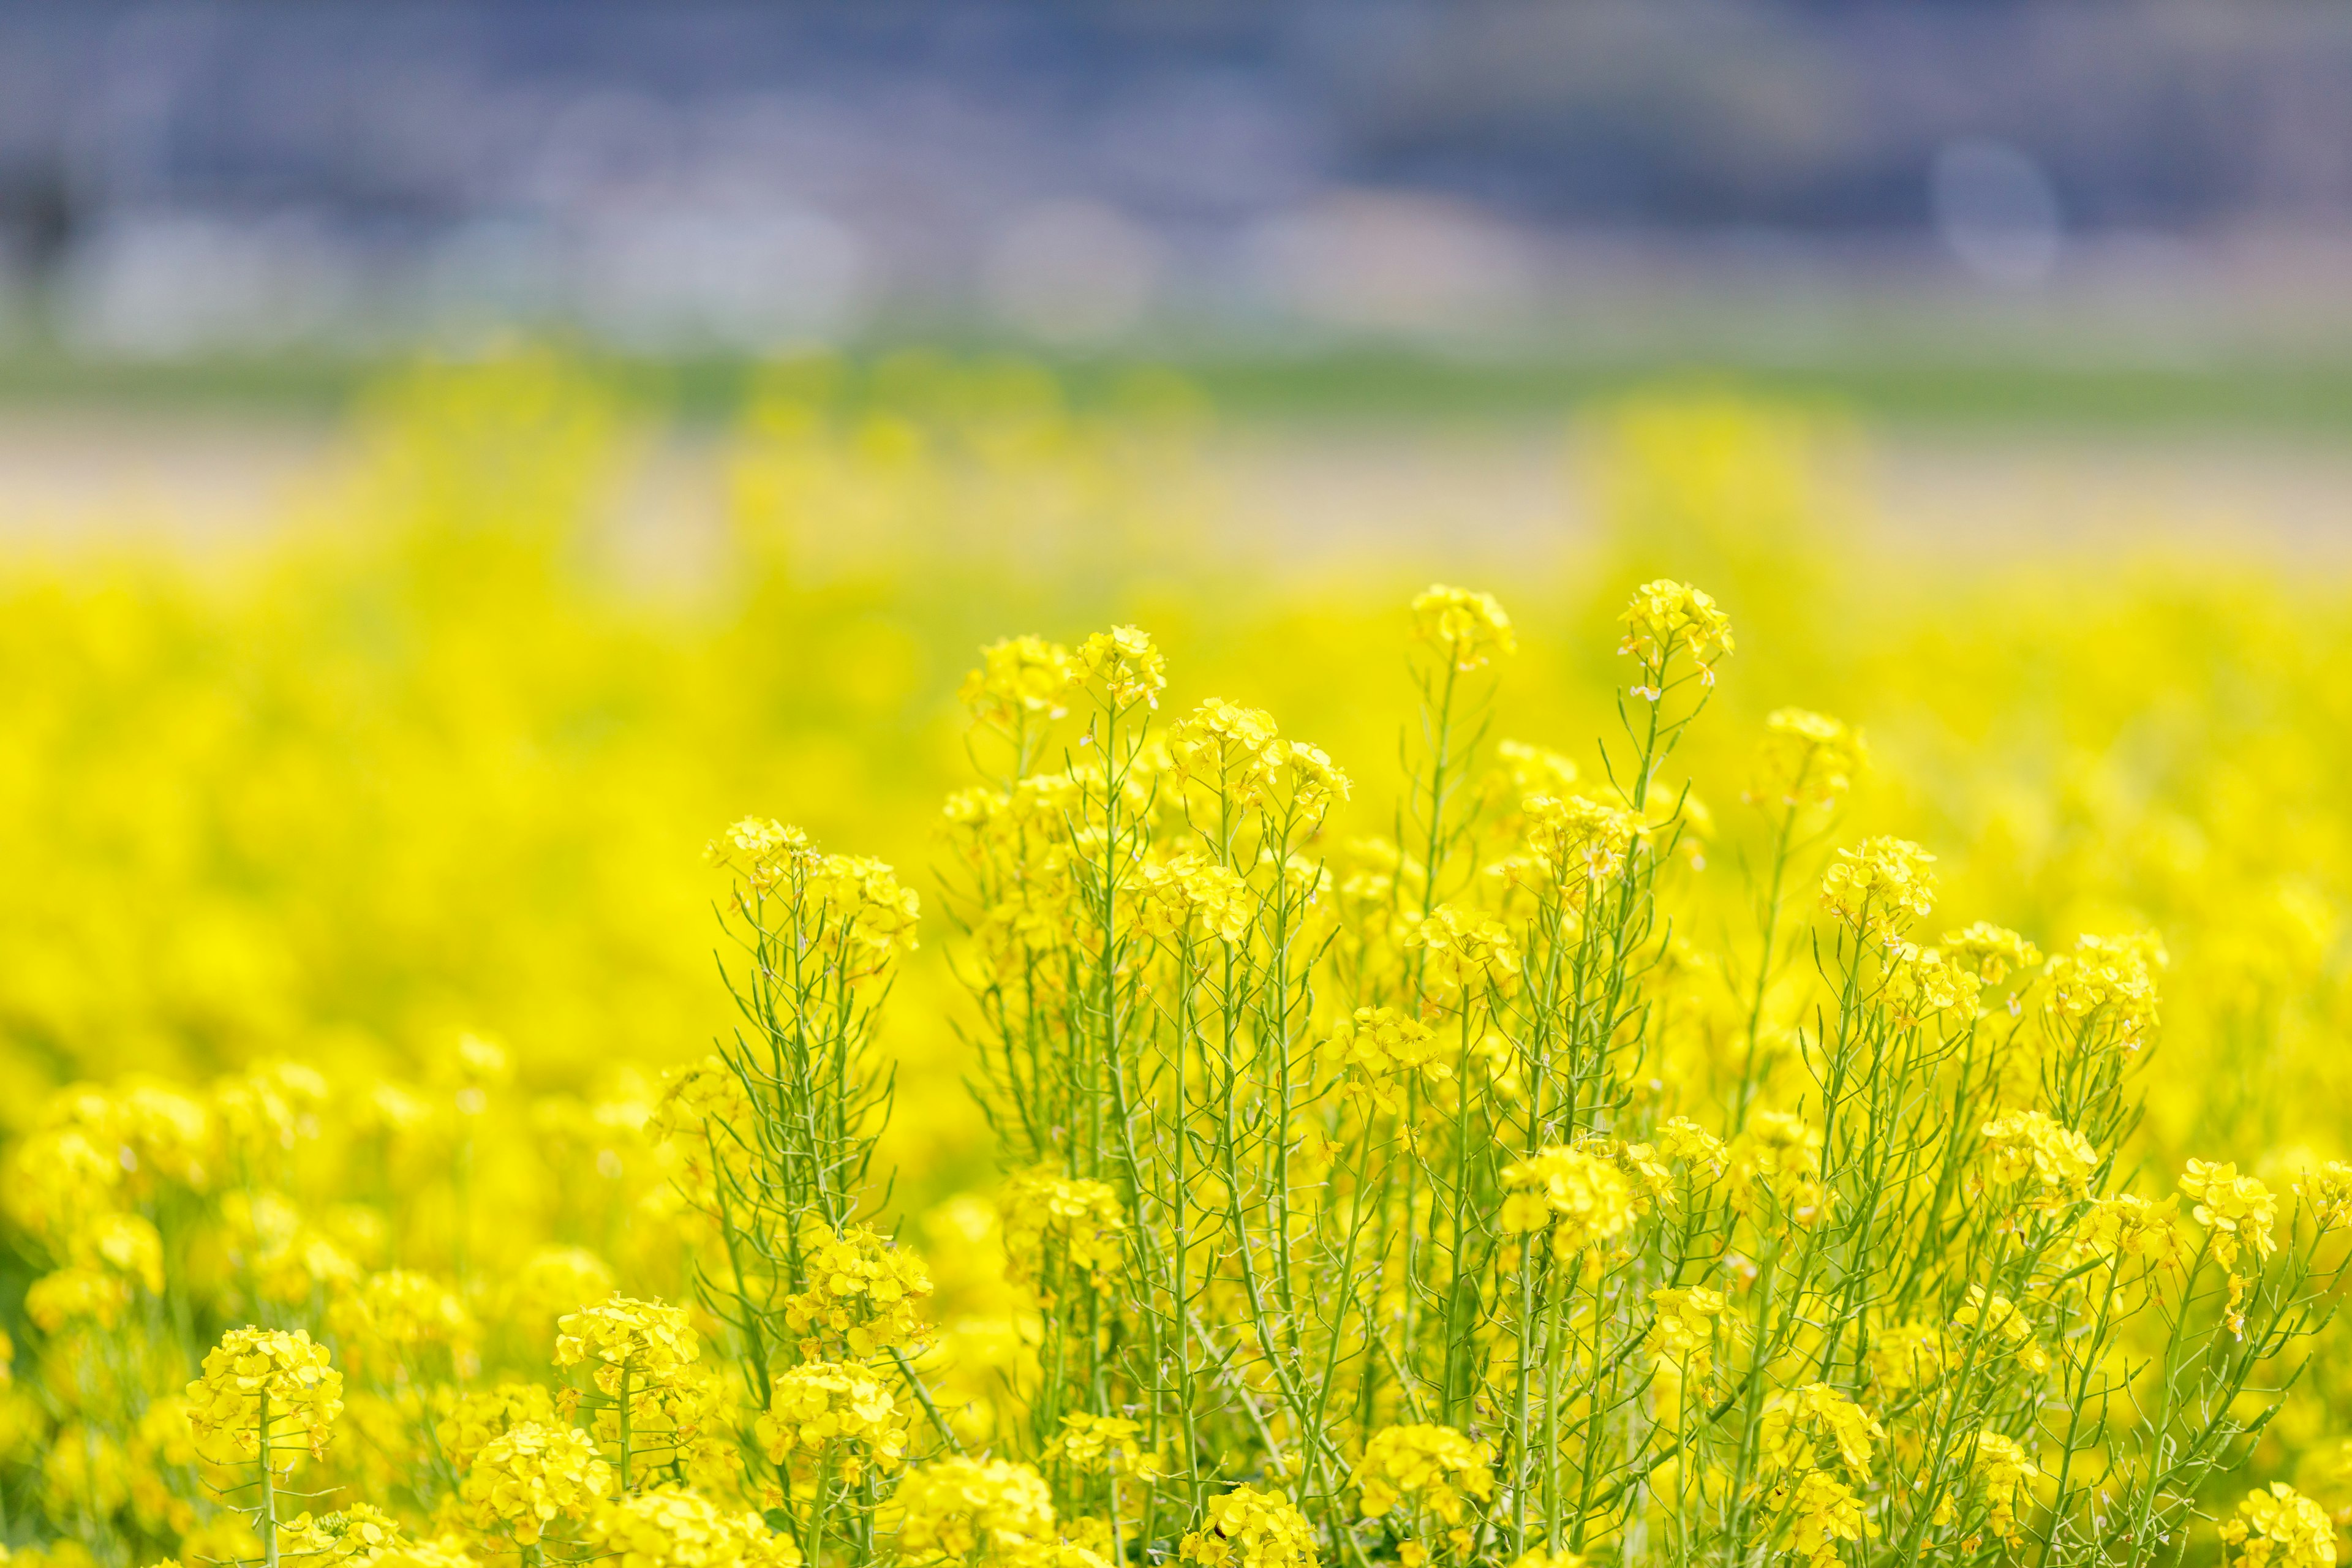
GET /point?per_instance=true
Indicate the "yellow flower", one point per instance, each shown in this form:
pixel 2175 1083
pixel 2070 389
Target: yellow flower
pixel 259 1383
pixel 1993 952
pixel 1468 628
pixel 1427 1465
pixel 1126 666
pixel 1823 1511
pixel 831 1409
pixel 1247 1528
pixel 2002 1472
pixel 1804 1425
pixel 2009 1328
pixel 1579 841
pixel 674 1527
pixel 1052 1223
pixel 1880 887
pixel 1464 950
pixel 1101 1445
pixel 1184 892
pixel 402 1310
pixel 1020 679
pixel 529 1476
pixel 2022 1145
pixel 642 1342
pixel 1582 1197
pixel 863 1292
pixel 1807 759
pixel 2280 1528
pixel 981 1510
pixel 1665 615
pixel 2110 980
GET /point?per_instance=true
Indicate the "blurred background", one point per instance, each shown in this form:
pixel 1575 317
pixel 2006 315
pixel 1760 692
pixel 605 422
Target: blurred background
pixel 2049 189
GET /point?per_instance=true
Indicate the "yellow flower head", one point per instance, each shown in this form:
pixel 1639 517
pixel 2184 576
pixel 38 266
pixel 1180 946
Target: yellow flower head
pixel 1814 1425
pixel 2279 1527
pixel 864 1293
pixel 1993 952
pixel 1469 629
pixel 1247 1528
pixel 980 1511
pixel 1463 950
pixel 1021 679
pixel 1879 886
pixel 1424 1466
pixel 530 1476
pixel 260 1387
pixel 1126 665
pixel 1101 1445
pixel 644 1342
pixel 835 1409
pixel 1584 1197
pixel 2023 1145
pixel 674 1527
pixel 1052 1222
pixel 1806 760
pixel 1664 615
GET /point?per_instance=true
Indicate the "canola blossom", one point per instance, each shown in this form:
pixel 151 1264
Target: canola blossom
pixel 1202 1139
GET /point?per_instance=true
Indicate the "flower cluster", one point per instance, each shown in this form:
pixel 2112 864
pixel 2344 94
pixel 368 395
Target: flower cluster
pixel 1469 629
pixel 833 1411
pixel 260 1387
pixel 1053 1224
pixel 1422 1467
pixel 1247 1528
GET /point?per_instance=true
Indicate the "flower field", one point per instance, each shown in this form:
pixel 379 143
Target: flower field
pixel 983 1036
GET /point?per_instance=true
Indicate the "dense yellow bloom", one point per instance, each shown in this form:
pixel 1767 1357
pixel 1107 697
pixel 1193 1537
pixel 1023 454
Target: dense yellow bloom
pixel 863 1292
pixel 978 1510
pixel 1021 679
pixel 2022 1145
pixel 1424 1466
pixel 1247 1528
pixel 1807 759
pixel 77 1295
pixel 1921 984
pixel 1994 952
pixel 1052 1222
pixel 1816 1424
pixel 1665 615
pixel 1583 1199
pixel 468 1422
pixel 672 1527
pixel 530 1476
pixel 1468 628
pixel 644 1341
pixel 1461 949
pixel 1126 665
pixel 1580 841
pixel 2110 980
pixel 760 850
pixel 1823 1511
pixel 2279 1527
pixel 2001 1471
pixel 1186 892
pixel 259 1385
pixel 2007 1326
pixel 2233 1209
pixel 1101 1445
pixel 1683 1335
pixel 835 1409
pixel 1879 886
